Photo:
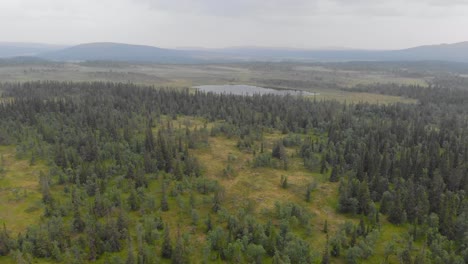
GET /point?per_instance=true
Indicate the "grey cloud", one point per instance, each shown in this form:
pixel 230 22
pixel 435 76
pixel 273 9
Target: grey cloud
pixel 294 9
pixel 399 8
pixel 236 8
pixel 444 2
pixel 386 2
pixel 221 23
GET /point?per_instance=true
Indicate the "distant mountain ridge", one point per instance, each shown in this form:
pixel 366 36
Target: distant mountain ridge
pixel 109 51
pixel 17 49
pixel 448 52
pixel 104 51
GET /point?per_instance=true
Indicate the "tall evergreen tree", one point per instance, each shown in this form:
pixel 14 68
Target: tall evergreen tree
pixel 166 248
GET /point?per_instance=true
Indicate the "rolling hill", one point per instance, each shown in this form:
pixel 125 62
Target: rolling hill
pixel 16 49
pixel 446 52
pixel 457 52
pixel 108 51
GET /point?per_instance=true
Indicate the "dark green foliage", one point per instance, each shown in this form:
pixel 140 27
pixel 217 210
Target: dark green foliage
pixel 130 255
pixel 5 242
pixel 397 215
pixel 353 254
pixel 284 182
pixel 180 253
pixel 205 186
pixel 107 142
pixel 278 152
pixel 386 202
pixel 356 243
pixel 217 238
pixel 308 194
pixel 209 224
pixel 263 160
pixel 285 211
pixel 334 175
pixel 277 258
pixel 364 199
pixel 134 201
pixel 323 165
pixel 255 253
pixel 347 203
pixel 164 202
pixel 78 223
pixel 326 254
pixel 335 248
pixel 218 199
pixel 166 248
pixel 44 183
pixel 234 252
pixel 298 251
pixel 325 227
pixel 229 171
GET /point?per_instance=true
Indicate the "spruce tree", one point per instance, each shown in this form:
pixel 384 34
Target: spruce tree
pixel 5 242
pixel 326 254
pixel 164 203
pixel 334 175
pixel 166 248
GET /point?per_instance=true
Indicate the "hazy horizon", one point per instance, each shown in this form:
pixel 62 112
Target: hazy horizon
pixel 300 24
pixel 69 45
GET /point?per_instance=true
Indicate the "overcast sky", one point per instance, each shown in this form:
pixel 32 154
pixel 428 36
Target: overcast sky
pixel 376 24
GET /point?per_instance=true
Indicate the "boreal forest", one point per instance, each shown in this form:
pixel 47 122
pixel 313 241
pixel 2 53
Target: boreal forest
pixel 109 172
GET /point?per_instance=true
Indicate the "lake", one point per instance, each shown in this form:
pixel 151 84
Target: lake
pixel 248 90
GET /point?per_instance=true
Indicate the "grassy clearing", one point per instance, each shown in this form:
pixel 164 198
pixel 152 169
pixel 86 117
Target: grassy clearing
pixel 20 198
pixel 259 189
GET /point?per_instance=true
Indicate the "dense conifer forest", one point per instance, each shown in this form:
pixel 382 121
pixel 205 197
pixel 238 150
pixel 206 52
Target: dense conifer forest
pixel 125 184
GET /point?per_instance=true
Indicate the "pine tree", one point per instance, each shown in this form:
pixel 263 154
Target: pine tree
pixel 334 175
pixel 277 258
pixel 45 188
pixel 141 258
pixel 166 248
pixel 130 253
pixel 361 229
pixel 323 165
pixel 396 214
pixel 364 199
pixel 208 223
pixel 217 199
pixel 279 152
pixel 284 182
pixel 149 140
pixel 164 203
pixel 336 247
pixel 78 223
pixel 308 193
pixel 180 254
pixel 5 243
pixel 326 254
pixel 134 200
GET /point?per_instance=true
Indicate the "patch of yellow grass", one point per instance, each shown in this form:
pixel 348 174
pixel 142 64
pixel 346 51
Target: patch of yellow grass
pixel 20 198
pixel 261 188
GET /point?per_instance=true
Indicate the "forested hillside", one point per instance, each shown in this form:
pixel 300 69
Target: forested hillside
pixel 133 174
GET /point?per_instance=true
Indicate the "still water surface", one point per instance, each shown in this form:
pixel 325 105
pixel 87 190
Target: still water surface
pixel 248 90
